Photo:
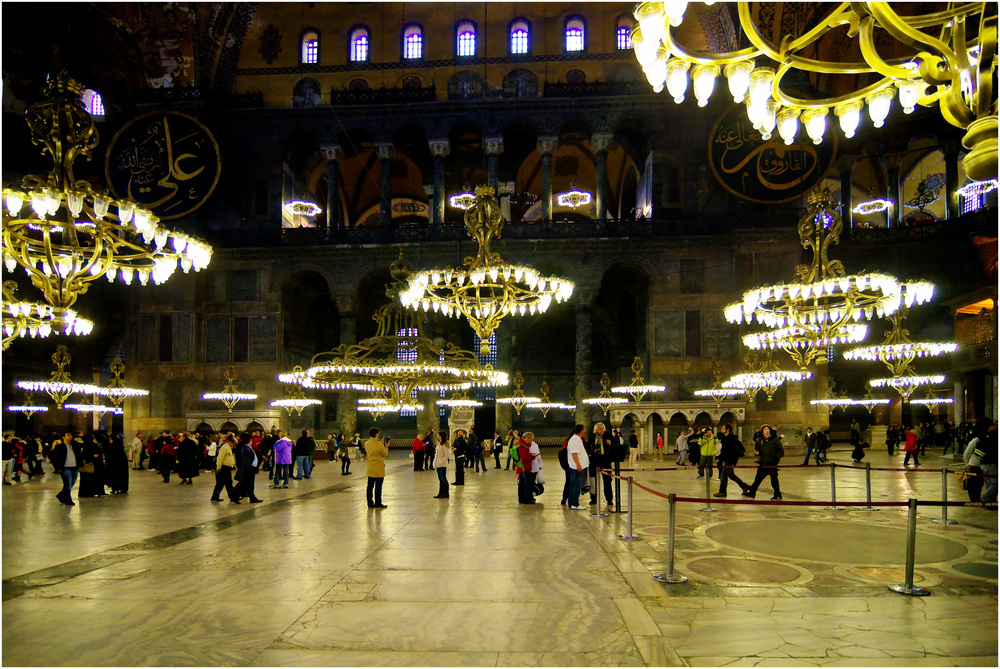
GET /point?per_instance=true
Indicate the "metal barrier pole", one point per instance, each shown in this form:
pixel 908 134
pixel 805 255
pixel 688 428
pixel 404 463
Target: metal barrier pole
pixel 944 498
pixel 708 490
pixel 908 588
pixel 670 577
pixel 833 487
pixel 618 487
pixel 597 492
pixel 628 536
pixel 868 488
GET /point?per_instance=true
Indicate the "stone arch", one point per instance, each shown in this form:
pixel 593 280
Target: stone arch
pixel 309 316
pixel 204 428
pixel 703 419
pixel 620 315
pixel 254 425
pixel 228 426
pixel 466 85
pixel 520 83
pixel 307 93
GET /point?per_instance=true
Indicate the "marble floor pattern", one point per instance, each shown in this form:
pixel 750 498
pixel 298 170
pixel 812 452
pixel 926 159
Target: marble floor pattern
pixel 312 577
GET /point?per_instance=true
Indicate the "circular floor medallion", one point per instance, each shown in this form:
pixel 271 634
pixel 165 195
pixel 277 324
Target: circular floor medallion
pixel 884 575
pixel 978 569
pixel 739 570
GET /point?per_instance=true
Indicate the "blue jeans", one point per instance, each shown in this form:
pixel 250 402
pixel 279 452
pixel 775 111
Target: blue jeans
pixel 302 465
pixel 442 473
pixel 575 482
pixel 809 451
pixel 281 471
pixel 68 475
pixel 990 484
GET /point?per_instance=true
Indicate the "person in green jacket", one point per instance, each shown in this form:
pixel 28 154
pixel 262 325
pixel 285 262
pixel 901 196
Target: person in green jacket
pixel 707 442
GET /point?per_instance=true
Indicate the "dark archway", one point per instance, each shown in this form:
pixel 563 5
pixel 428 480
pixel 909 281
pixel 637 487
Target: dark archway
pixel 621 312
pixel 310 318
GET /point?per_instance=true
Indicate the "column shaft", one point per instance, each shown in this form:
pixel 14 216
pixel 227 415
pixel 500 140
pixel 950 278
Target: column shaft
pixel 385 207
pixel 584 361
pixel 546 186
pixel 952 205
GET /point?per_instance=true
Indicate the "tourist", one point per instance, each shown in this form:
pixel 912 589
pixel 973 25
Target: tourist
pixel 225 463
pixel 855 432
pixel 810 438
pixel 33 457
pixel 973 457
pixel 707 445
pixel 356 445
pixel 116 462
pixel 8 458
pixel 602 457
pixel 65 458
pixel 525 470
pixel 858 454
pixel 513 436
pixel 988 462
pixel 92 468
pixel 471 440
pixel 497 448
pixel 576 458
pixel 417 452
pixel 344 455
pixel 770 452
pixel 659 447
pixel 633 449
pixel 246 472
pixel 135 451
pixel 282 459
pixel 303 450
pixel 564 464
pixel 442 455
pixel 892 437
pixel 682 448
pixel 377 452
pixel 911 447
pixel 458 446
pixel 187 458
pixel 732 451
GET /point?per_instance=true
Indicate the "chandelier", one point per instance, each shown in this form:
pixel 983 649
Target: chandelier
pixel 29 407
pixel 768 377
pixel 545 404
pixel 95 408
pixel 116 390
pixel 825 305
pixel 905 385
pixel 949 60
pixel 295 399
pixel 717 392
pixel 459 399
pixel 831 399
pixel 931 399
pixel 869 207
pixel 978 187
pixel 518 399
pixel 462 201
pixel 60 386
pixel 378 406
pixel 638 388
pixel 485 289
pixel 67 237
pixel 399 360
pixel 605 400
pixel 35 319
pixel 301 208
pixel 229 396
pixel 573 198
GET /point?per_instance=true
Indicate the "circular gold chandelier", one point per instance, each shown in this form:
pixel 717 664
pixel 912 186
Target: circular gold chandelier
pixel 229 395
pixel 301 208
pixel 64 234
pixel 29 407
pixel 573 198
pixel 459 399
pixel 825 305
pixel 605 400
pixel 399 360
pixel 946 57
pixel 545 404
pixel 638 388
pixel 95 408
pixel 295 400
pixel 905 385
pixel 60 387
pixel 717 392
pixel 116 390
pixel 518 399
pixel 768 377
pixel 35 319
pixel 485 289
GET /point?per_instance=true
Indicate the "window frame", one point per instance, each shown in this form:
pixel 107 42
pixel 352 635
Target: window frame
pixel 475 38
pixel 510 37
pixel 566 22
pixel 402 41
pixel 628 23
pixel 350 43
pixel 87 98
pixel 302 45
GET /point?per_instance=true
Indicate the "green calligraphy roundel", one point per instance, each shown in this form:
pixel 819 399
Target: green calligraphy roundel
pixel 767 171
pixel 165 161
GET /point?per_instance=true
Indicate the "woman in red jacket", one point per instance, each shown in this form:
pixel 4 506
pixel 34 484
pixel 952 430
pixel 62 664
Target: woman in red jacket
pixel 418 453
pixel 911 447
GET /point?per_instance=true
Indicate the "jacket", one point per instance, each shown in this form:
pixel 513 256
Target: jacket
pixel 708 442
pixel 58 456
pixel 225 457
pixel 442 455
pixel 283 451
pixel 730 449
pixel 768 450
pixel 460 447
pixel 304 446
pixel 377 452
pixel 247 458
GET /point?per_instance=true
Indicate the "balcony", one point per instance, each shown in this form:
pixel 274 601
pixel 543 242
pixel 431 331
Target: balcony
pixel 198 97
pixel 593 89
pixel 382 96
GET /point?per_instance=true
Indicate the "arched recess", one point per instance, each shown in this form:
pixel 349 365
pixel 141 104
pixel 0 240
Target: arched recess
pixel 924 183
pixel 360 175
pixel 465 164
pixel 371 296
pixel 465 85
pixel 520 83
pixel 307 93
pixel 254 426
pixel 204 428
pixel 621 314
pixel 310 318
pixel 229 426
pixel 703 419
pixel 730 419
pixel 678 422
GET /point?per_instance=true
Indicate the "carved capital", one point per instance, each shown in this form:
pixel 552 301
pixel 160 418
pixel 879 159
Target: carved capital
pixel 547 145
pixel 385 151
pixel 333 153
pixel 599 141
pixel 846 163
pixel 893 160
pixel 439 147
pixel 493 146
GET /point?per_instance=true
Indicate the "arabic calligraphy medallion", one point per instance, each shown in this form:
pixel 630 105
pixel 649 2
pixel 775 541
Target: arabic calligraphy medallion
pixel 765 171
pixel 165 161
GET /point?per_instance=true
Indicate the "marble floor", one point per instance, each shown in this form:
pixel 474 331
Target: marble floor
pixel 312 577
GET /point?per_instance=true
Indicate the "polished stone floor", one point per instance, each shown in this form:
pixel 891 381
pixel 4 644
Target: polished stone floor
pixel 312 577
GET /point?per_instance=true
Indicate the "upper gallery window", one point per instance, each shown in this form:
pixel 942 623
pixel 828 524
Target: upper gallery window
pixel 359 44
pixel 520 33
pixel 93 103
pixel 465 39
pixel 624 34
pixel 310 47
pixel 575 34
pixel 413 42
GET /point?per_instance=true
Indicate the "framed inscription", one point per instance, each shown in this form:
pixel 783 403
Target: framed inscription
pixel 766 171
pixel 165 161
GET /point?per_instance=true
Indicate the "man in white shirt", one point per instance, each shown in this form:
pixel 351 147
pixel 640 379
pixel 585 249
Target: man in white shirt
pixel 576 458
pixel 135 451
pixel 682 448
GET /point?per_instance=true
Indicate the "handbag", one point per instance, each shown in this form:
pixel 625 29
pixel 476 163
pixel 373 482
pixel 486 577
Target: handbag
pixel 963 481
pixel 87 468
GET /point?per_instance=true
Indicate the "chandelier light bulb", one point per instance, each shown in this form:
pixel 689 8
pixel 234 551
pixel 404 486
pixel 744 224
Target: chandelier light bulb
pixel 704 82
pixel 652 20
pixel 767 120
pixel 75 202
pixel 788 125
pixel 815 123
pixel 675 11
pixel 125 211
pixel 910 91
pixel 849 114
pixel 677 79
pixel 15 201
pixel 38 205
pixel 101 205
pixel 878 105
pixel 645 49
pixel 760 85
pixel 738 76
pixel 656 74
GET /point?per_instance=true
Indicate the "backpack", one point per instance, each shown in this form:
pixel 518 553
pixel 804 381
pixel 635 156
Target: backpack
pixel 740 450
pixel 514 456
pixel 564 456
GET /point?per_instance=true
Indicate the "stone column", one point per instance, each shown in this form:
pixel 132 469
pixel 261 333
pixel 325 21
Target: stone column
pixel 599 144
pixel 952 205
pixel 959 404
pixel 584 358
pixel 439 149
pixel 845 165
pixel 386 152
pixel 494 147
pixel 894 192
pixel 505 342
pixel 334 154
pixel 546 146
pixel 347 407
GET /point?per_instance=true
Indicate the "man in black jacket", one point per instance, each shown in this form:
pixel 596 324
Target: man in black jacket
pixel 731 452
pixel 247 464
pixel 304 447
pixel 460 448
pixel 601 455
pixel 66 458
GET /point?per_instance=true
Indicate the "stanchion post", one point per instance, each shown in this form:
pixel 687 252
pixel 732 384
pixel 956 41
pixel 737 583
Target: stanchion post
pixel 628 536
pixel 908 588
pixel 708 490
pixel 868 488
pixel 670 577
pixel 833 487
pixel 618 486
pixel 596 490
pixel 944 498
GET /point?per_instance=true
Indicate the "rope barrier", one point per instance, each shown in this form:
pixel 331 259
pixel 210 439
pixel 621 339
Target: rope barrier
pixel 831 464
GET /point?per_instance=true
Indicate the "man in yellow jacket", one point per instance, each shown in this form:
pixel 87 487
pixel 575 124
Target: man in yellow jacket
pixel 377 452
pixel 708 444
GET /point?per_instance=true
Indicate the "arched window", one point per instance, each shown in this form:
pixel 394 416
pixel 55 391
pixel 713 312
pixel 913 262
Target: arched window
pixel 309 52
pixel 623 33
pixel 576 34
pixel 359 44
pixel 93 103
pixel 465 39
pixel 413 42
pixel 520 36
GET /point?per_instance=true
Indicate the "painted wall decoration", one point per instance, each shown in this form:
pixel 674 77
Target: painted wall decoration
pixel 270 44
pixel 766 171
pixel 668 333
pixel 165 161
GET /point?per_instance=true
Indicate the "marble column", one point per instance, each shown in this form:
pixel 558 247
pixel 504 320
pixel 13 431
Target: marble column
pixel 333 154
pixel 584 359
pixel 649 444
pixel 386 152
pixel 952 205
pixel 439 149
pixel 599 145
pixel 505 344
pixel 893 186
pixel 959 404
pixel 845 165
pixel 347 400
pixel 494 147
pixel 547 146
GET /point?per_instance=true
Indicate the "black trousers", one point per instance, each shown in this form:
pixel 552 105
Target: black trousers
pixel 609 495
pixel 727 474
pixel 166 466
pixel 526 487
pixel 480 461
pixel 374 492
pixel 245 487
pixel 496 456
pixel 224 478
pixel 762 473
pixel 418 461
pixel 460 470
pixel 345 464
